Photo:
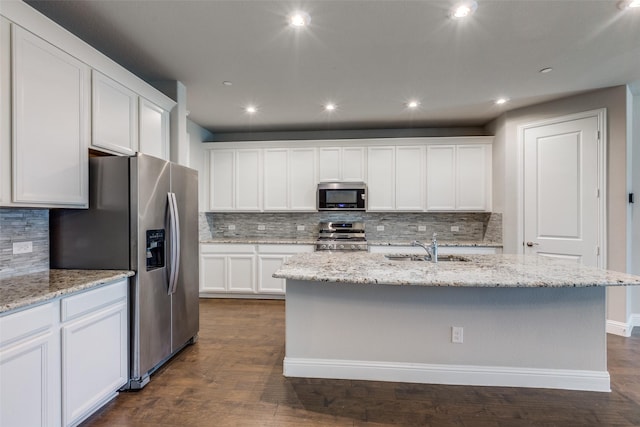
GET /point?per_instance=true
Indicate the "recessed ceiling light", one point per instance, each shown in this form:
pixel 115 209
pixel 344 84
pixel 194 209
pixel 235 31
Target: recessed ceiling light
pixel 299 19
pixel 227 83
pixel 501 101
pixel 251 109
pixel 628 4
pixel 545 70
pixel 463 9
pixel 330 106
pixel 413 104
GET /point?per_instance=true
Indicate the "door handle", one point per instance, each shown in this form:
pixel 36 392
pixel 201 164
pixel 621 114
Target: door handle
pixel 530 244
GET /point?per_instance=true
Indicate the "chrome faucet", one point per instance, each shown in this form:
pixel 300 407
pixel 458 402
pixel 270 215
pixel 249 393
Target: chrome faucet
pixel 432 250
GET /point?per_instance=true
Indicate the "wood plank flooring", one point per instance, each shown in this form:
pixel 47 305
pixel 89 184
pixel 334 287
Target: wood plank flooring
pixel 233 377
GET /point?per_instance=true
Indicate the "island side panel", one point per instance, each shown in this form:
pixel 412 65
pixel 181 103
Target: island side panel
pixel 552 330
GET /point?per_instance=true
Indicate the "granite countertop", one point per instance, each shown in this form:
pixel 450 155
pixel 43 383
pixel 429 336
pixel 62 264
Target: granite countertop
pixel 308 241
pixel 260 241
pixel 479 271
pixel 21 291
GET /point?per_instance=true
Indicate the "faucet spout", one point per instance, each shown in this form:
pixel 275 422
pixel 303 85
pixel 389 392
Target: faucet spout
pixel 425 247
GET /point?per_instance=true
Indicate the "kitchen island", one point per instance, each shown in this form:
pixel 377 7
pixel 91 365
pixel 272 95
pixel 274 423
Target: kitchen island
pixel 526 321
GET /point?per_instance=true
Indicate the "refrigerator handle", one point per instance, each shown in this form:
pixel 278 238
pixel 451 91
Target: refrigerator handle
pixel 174 235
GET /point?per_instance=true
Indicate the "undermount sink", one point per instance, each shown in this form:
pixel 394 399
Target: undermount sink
pixel 415 257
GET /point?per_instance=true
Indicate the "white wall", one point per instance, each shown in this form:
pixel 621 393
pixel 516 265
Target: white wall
pixel 634 186
pixel 506 169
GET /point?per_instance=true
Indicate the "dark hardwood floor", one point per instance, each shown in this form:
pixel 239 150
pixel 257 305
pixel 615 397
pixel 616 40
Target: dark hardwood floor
pixel 233 377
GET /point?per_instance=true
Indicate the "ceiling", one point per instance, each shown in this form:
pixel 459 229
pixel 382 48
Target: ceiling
pixel 369 57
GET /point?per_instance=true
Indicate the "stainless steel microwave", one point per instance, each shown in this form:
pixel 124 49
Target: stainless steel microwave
pixel 342 196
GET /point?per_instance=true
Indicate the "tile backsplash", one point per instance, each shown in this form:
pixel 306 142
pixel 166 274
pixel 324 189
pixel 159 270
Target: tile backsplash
pixel 395 226
pixel 24 225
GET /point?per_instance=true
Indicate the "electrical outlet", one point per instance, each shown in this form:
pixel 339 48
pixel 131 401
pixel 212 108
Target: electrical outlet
pixel 455 228
pixel 422 228
pixel 457 334
pixel 301 228
pixel 232 227
pixel 22 247
pixel 380 228
pixel 261 227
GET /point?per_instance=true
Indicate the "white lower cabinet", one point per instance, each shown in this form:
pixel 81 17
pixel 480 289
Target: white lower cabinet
pixel 243 269
pixel 94 350
pixel 61 361
pixel 30 367
pixel 270 259
pixel 227 268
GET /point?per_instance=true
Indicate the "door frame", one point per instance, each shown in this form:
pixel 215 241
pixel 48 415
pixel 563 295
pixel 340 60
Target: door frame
pixel 601 116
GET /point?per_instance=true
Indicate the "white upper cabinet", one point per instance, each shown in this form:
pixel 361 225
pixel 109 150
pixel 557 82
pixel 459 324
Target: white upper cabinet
pixel 459 177
pixel 403 174
pixel 381 162
pixel 342 164
pixel 50 125
pixel 290 179
pixel 303 181
pixel 154 129
pixel 114 116
pixel 410 178
pixel 276 179
pixel 441 175
pixel 235 180
pixel 396 178
pixel 473 177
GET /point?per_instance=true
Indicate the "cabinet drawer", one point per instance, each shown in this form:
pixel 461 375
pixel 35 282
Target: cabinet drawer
pixel 93 300
pixel 22 324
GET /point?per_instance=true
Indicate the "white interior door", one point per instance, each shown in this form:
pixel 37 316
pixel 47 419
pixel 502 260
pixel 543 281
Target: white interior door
pixel 561 189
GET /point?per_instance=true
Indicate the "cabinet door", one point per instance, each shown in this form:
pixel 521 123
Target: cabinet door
pixel 248 180
pixel 441 177
pixel 329 161
pixel 26 397
pixel 410 178
pixel 154 130
pixel 381 180
pixel 115 116
pixel 94 360
pixel 473 177
pixel 221 179
pixel 50 124
pixel 267 265
pixel 276 181
pixel 241 273
pixel 213 273
pixel 302 179
pixel 353 164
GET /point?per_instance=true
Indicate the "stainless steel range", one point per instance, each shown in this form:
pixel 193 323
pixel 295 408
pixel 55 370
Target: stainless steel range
pixel 341 236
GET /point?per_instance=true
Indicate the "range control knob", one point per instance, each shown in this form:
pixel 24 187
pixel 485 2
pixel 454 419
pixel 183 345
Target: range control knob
pixel 323 246
pixel 341 246
pixel 354 247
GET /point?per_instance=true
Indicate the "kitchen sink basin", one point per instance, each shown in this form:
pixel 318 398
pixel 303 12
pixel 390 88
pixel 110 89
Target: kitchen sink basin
pixel 415 257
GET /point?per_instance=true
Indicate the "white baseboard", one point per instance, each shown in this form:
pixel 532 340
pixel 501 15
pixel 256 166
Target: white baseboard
pixel 448 374
pixel 621 328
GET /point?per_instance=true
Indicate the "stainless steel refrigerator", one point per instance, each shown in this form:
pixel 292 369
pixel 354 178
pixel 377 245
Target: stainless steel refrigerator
pixel 142 216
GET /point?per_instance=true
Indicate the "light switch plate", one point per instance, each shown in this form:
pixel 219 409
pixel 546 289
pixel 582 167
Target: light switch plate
pixel 261 227
pixel 22 247
pixel 455 228
pixel 301 228
pixel 232 227
pixel 380 228
pixel 422 228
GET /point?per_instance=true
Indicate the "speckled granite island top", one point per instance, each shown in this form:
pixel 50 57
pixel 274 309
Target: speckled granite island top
pixel 22 291
pixel 477 271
